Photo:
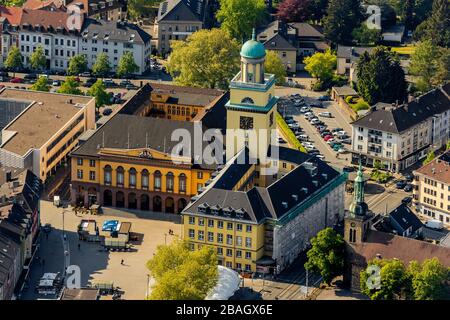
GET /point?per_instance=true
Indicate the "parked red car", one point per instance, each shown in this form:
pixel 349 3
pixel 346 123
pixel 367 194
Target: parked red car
pixel 328 137
pixel 16 80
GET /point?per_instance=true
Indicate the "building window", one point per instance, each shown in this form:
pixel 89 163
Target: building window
pixel 80 174
pixel 238 266
pixel 229 264
pixel 248 228
pixel 120 176
pixel 210 237
pixel 191 220
pixel 169 182
pixel 92 163
pixel 157 184
pixel 229 239
pixel 201 235
pixel 201 221
pixel 132 176
pixel 220 224
pixel 229 253
pixel 182 183
pixel 199 175
pixel 191 233
pixel 220 251
pixel 210 223
pixel 108 175
pixel 80 161
pixel 248 255
pixel 239 227
pixel 229 226
pixel 219 238
pixel 238 254
pixel 144 179
pixel 248 268
pixel 248 242
pixel 238 241
pixel 92 175
pixel 199 186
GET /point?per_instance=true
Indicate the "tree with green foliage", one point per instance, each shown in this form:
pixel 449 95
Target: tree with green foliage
pixel 77 64
pixel 430 157
pixel 207 59
pixel 428 280
pixel 70 86
pixel 139 8
pixel 430 64
pixel 318 9
pixel 12 3
pixel 239 17
pixel 389 282
pixel 14 59
pixel 38 61
pixel 127 65
pixel 365 36
pixel 380 77
pixel 321 65
pixel 342 17
pixel 326 255
pixel 101 67
pixel 447 147
pixel 437 27
pixel 182 274
pixel 98 91
pixel 274 65
pixel 41 85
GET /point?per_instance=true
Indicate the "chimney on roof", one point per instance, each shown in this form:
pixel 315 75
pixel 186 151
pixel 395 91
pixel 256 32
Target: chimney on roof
pixel 433 170
pixel 378 256
pixel 353 51
pixel 8 176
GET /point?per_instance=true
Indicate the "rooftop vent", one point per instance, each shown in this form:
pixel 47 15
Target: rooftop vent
pixel 325 176
pixel 305 190
pixel 295 197
pixel 311 168
pixel 315 183
pixel 284 204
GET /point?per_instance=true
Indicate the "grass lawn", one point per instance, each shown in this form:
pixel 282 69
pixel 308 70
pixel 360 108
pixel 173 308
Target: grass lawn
pixel 407 50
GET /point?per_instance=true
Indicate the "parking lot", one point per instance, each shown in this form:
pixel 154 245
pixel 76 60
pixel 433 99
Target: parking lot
pixel 95 263
pixel 306 115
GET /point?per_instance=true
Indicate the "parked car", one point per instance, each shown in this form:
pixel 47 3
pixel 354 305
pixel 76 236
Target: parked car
pixel 109 83
pixel 406 200
pixel 131 87
pixel 316 104
pixel 346 141
pixel 302 137
pixel 124 83
pixel 89 82
pixel 408 187
pixel 56 83
pixel 16 80
pixel 314 121
pixel 304 109
pixel 348 169
pixel 107 111
pixel 337 130
pixel 400 184
pixel 324 98
pixel 326 114
pixel 325 133
pixel 327 137
pixel 409 177
pixel 85 74
pixel 319 156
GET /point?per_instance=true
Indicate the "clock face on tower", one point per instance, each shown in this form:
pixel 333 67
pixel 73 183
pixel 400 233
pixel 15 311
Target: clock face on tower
pixel 246 123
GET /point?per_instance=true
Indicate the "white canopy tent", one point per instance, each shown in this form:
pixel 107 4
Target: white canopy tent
pixel 227 284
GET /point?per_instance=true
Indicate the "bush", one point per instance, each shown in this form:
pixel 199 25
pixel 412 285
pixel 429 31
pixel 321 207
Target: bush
pixel 290 136
pixel 349 99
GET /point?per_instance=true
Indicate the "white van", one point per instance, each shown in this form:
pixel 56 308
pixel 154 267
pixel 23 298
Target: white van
pixel 326 114
pixel 434 224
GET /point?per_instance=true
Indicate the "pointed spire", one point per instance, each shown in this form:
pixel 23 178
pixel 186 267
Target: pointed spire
pixel 254 34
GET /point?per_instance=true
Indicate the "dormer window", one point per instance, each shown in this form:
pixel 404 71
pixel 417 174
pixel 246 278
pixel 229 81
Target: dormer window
pixel 248 100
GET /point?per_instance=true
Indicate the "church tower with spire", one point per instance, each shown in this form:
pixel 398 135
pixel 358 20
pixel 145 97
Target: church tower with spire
pixel 357 219
pixel 251 110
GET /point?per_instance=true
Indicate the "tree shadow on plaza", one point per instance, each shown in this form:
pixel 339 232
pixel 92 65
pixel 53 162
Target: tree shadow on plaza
pixel 373 188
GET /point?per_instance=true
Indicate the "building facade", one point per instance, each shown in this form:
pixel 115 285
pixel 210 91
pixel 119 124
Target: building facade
pixel 432 189
pixel 129 163
pixel 260 215
pixel 399 136
pixel 31 141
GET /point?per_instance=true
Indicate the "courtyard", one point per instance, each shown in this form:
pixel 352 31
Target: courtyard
pixel 96 264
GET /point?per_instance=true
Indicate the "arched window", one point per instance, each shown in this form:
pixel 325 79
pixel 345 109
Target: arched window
pixel 182 183
pixel 144 179
pixel 132 176
pixel 248 100
pixel 120 178
pixel 107 174
pixel 157 183
pixel 169 182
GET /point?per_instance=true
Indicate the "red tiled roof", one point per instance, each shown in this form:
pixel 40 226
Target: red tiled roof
pixel 405 249
pixel 13 14
pixel 39 4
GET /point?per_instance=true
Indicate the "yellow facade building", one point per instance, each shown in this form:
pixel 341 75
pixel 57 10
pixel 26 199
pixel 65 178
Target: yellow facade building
pixel 128 163
pixel 260 215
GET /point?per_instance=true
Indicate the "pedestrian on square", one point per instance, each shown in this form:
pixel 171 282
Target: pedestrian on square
pixel 122 262
pixel 79 246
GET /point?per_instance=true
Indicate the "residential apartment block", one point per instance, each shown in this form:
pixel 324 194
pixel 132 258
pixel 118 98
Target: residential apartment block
pixel 399 136
pixel 42 135
pixel 432 189
pixel 61 39
pixel 347 58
